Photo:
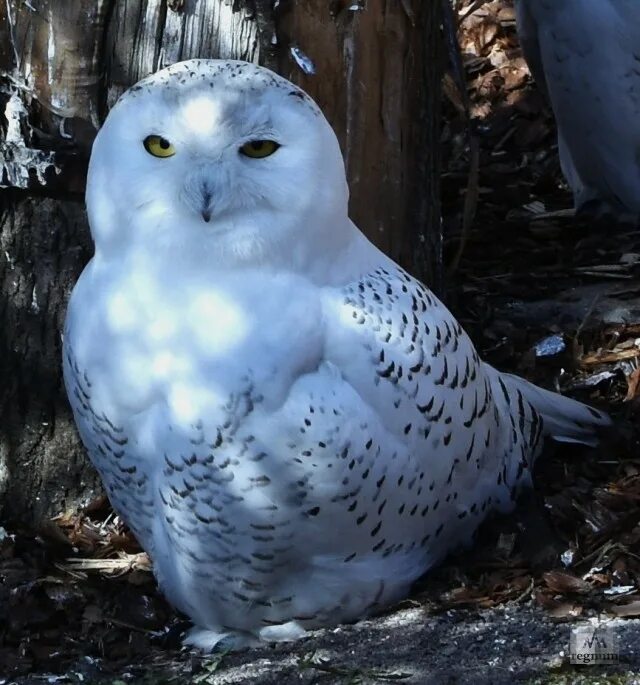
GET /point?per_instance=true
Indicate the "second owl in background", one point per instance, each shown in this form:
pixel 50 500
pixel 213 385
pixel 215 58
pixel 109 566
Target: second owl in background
pixel 585 55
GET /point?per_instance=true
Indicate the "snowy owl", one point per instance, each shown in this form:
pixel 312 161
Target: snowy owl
pixel 294 428
pixel 585 54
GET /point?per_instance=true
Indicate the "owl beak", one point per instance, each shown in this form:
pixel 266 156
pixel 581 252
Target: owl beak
pixel 198 193
pixel 205 207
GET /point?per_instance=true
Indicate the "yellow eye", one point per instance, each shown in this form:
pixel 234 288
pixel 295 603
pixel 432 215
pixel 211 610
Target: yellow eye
pixel 159 146
pixel 259 148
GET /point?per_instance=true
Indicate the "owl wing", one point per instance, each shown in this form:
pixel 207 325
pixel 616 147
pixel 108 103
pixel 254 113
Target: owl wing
pixel 410 361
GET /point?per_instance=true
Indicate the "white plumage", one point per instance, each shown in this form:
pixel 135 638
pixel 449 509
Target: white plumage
pixel 294 428
pixel 585 54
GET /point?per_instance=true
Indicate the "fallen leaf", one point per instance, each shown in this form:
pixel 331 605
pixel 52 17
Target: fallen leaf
pixel 633 381
pixel 565 610
pixel 561 582
pixel 631 609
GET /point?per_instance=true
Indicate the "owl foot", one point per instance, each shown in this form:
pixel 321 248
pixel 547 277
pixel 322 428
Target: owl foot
pixel 284 632
pixel 234 640
pixel 219 640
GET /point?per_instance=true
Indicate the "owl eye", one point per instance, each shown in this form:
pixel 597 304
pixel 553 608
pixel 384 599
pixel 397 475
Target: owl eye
pixel 158 146
pixel 259 148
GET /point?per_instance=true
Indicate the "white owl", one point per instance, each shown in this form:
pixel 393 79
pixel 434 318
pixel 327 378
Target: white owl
pixel 585 54
pixel 294 428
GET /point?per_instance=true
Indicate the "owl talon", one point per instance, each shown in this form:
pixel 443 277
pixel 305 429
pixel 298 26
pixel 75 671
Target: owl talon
pixel 284 632
pixel 230 640
pixel 213 640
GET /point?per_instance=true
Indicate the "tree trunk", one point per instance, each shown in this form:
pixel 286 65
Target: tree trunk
pixel 373 67
pixel 377 79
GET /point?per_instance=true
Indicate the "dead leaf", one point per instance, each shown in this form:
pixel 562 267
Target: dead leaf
pixel 565 610
pixel 561 582
pixel 631 609
pixel 633 381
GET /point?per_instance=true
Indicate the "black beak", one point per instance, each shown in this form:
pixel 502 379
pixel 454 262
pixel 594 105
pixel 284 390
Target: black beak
pixel 206 202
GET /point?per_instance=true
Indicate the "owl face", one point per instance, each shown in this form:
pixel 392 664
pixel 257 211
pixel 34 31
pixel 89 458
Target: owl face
pixel 219 160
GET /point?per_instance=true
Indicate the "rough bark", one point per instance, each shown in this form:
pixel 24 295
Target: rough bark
pixel 377 80
pixel 63 65
pixel 44 246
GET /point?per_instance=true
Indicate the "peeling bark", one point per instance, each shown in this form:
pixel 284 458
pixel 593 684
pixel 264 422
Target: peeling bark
pixel 376 77
pixel 146 35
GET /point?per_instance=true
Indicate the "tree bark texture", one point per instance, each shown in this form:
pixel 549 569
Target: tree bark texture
pixel 374 68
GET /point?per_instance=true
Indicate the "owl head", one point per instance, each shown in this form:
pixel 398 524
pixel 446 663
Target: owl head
pixel 211 160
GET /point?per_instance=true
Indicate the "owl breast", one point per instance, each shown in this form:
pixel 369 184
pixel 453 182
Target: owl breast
pixel 236 451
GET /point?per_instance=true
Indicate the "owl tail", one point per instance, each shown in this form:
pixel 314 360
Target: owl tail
pixel 564 419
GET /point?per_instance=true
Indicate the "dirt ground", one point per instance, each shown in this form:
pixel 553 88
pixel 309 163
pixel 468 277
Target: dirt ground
pixel 493 647
pixel 542 293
